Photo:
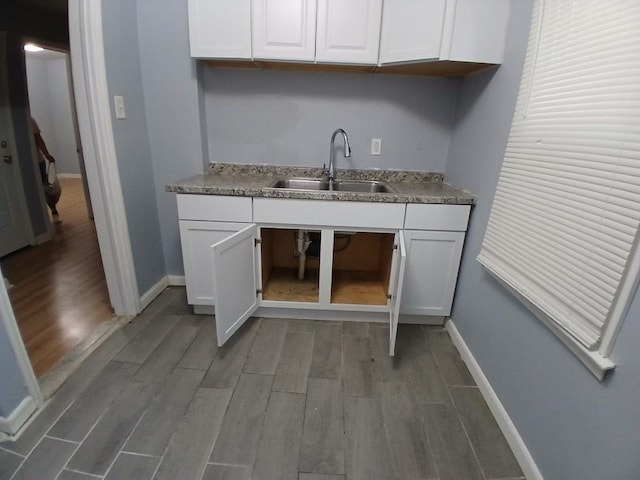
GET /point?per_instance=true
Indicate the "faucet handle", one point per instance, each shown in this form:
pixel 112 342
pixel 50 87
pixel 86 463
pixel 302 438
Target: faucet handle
pixel 325 170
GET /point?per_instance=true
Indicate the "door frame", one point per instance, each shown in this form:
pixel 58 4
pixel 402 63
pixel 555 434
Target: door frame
pixel 96 132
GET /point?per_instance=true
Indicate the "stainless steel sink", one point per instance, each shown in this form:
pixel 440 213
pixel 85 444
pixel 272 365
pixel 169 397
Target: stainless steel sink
pixel 301 183
pixel 360 186
pixel 365 186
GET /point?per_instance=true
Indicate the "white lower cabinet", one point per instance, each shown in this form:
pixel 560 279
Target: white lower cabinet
pixel 197 238
pixel 360 258
pixel 432 271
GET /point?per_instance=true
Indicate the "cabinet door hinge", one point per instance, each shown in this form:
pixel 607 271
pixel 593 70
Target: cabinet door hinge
pixel 258 292
pixel 395 246
pixel 389 296
pixel 257 241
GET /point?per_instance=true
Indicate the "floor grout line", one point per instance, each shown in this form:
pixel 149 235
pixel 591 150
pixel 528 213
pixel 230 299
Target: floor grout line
pixel 61 439
pixel 9 451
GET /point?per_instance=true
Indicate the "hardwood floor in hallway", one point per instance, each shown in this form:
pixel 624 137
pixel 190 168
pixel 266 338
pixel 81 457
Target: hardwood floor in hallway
pixel 59 292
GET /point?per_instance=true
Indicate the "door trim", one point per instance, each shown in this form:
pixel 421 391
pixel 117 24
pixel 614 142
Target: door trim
pixel 30 403
pixel 96 132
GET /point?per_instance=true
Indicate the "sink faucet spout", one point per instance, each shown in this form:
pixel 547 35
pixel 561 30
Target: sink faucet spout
pixel 331 172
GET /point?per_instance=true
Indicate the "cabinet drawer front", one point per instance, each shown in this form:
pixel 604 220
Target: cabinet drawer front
pixel 214 208
pixel 334 214
pixel 437 217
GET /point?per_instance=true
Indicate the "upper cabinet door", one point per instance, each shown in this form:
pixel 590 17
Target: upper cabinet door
pixel 220 29
pixel 348 31
pixel 411 30
pixel 284 30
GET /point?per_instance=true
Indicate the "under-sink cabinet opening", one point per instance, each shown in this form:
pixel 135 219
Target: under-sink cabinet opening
pixel 361 267
pixel 290 264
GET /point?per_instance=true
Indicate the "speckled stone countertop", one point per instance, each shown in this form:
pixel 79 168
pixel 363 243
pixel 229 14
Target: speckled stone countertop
pixel 255 181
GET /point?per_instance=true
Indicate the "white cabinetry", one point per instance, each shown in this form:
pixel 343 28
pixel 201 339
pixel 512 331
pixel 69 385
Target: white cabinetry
pixel 284 29
pixel 220 29
pixel 434 237
pixel 348 31
pixel 382 259
pixel 452 30
pixel 205 220
pixel 430 277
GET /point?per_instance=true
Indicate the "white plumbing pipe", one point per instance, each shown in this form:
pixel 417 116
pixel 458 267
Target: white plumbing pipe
pixel 303 243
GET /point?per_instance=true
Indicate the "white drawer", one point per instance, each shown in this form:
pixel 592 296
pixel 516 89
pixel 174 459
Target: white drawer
pixel 214 208
pixel 452 218
pixel 328 213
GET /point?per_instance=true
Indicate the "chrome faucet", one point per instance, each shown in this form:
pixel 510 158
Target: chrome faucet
pixel 331 171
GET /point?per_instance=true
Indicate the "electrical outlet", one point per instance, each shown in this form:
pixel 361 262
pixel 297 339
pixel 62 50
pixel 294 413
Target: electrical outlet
pixel 119 105
pixel 376 146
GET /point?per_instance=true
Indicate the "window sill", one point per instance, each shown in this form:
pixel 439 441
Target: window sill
pixel 597 364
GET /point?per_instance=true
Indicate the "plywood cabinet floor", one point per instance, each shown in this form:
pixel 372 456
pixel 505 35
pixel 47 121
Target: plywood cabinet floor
pixel 282 400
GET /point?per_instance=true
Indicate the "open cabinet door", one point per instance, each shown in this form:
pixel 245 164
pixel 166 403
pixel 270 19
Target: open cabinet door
pixel 396 296
pixel 235 281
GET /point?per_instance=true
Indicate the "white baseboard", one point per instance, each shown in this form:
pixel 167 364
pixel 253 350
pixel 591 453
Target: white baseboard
pixel 176 280
pixel 69 175
pixel 150 295
pixel 11 424
pixel 45 237
pixel 511 434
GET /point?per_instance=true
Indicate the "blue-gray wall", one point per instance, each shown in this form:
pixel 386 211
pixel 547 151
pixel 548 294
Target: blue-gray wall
pixel 132 141
pixel 574 426
pixel 50 103
pixel 286 118
pixel 172 106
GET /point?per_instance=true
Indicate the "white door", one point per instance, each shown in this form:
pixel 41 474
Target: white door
pixel 348 31
pixel 196 239
pixel 235 281
pixel 397 281
pixel 432 271
pixel 14 227
pixel 220 29
pixel 284 30
pixel 411 30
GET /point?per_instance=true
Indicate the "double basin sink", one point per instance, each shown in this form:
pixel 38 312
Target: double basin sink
pixel 322 184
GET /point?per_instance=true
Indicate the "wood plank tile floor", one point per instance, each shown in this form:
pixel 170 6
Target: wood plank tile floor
pixel 283 400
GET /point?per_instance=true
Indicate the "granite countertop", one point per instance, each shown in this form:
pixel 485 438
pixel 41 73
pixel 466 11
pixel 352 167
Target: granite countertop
pixel 255 181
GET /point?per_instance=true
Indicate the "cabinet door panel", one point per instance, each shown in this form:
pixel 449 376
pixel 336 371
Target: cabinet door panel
pixel 431 272
pixel 196 238
pixel 411 30
pixel 220 29
pixel 348 31
pixel 398 274
pixel 235 281
pixel 284 29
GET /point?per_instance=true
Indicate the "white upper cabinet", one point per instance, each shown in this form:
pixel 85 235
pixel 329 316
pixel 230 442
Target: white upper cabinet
pixel 220 29
pixel 475 31
pixel 411 30
pixel 348 31
pixel 284 30
pixel 454 30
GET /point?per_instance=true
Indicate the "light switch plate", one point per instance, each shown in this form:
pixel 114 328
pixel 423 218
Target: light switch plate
pixel 376 146
pixel 118 101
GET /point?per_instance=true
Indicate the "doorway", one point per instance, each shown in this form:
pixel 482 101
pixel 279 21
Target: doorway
pixel 58 289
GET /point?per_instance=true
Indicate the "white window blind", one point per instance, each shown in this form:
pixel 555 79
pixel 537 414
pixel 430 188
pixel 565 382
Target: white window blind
pixel 566 213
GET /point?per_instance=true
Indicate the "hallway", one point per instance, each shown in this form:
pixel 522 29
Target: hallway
pixel 59 292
